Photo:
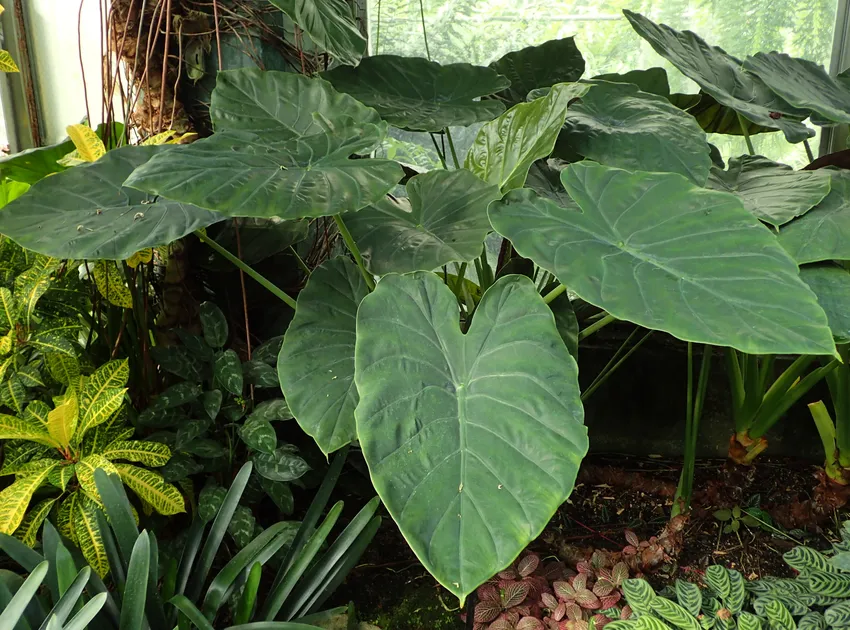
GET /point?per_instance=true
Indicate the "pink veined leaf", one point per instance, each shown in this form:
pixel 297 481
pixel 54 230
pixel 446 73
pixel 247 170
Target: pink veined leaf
pixel 632 538
pixel 564 590
pixel 584 567
pixel 604 574
pixel 528 565
pixel 501 624
pixel 609 601
pixel 486 612
pixel 580 581
pixel 581 624
pixel 553 571
pixel 489 593
pixel 626 612
pixel 530 623
pixel 598 559
pixel 560 612
pixel 549 601
pixel 574 611
pixel 508 574
pixel 536 585
pixel 566 624
pixel 523 610
pixel 503 584
pixel 620 573
pixel 514 594
pixel 586 599
pixel 512 616
pixel 602 587
pixel 601 620
pixel 479 626
pixel 629 550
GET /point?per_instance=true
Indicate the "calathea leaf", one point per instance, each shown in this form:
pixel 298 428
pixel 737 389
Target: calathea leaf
pixel 260 374
pixel 417 94
pixel 206 448
pixel 190 430
pixel 330 24
pixel 15 499
pixel 308 176
pixel 555 61
pixel 653 249
pixel 228 371
pixel 268 351
pixel 319 386
pixel 823 233
pixel 505 148
pixel 179 467
pixel 443 220
pixel 280 493
pixel 196 345
pixel 618 125
pixel 210 501
pixel 259 435
pixel 179 361
pixel 242 526
pixel 214 323
pixel 211 401
pixel 457 427
pixel 773 192
pixel 281 465
pixel 87 212
pixel 722 76
pixel 272 410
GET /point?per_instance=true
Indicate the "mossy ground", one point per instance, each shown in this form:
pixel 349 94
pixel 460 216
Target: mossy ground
pixel 419 609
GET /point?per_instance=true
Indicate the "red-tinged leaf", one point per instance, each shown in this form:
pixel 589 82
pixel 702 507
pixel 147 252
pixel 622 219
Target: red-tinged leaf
pixel 549 601
pixel 603 587
pixel 604 574
pixel 586 599
pixel 601 620
pixel 579 582
pixel 528 565
pixel 574 611
pixel 485 612
pixel 508 574
pixel 553 571
pixel 564 590
pixel 626 612
pixel 512 616
pixel 629 550
pixel 489 593
pixel 479 626
pixel 514 594
pixel 581 624
pixel 560 612
pixel 566 624
pixel 632 538
pixel 530 623
pixel 609 601
pixel 599 559
pixel 620 573
pixel 501 624
pixel 523 610
pixel 583 566
pixel 536 585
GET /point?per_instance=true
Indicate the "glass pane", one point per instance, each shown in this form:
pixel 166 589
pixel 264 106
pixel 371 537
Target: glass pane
pixel 479 31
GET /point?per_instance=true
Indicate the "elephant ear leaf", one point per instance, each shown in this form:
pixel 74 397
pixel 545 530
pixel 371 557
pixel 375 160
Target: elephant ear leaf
pixel 458 429
pixel 542 66
pixel 330 24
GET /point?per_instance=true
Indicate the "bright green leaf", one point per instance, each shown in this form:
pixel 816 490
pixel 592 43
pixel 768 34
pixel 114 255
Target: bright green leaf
pixel 823 233
pixel 542 66
pixel 330 24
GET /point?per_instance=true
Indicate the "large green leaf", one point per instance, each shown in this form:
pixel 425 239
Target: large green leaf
pixel 555 61
pixel 654 249
pixel 721 75
pixel 472 440
pixel 831 285
pixel 505 148
pixel 32 165
pixel 774 192
pixel 260 239
pixel 330 24
pixel 245 175
pixel 421 95
pixel 443 220
pixel 803 84
pixel 86 212
pixel 319 386
pixel 618 125
pixel 651 80
pixel 823 233
pixel 714 117
pixel 284 104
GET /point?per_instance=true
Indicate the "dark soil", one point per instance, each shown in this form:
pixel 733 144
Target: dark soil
pixel 613 494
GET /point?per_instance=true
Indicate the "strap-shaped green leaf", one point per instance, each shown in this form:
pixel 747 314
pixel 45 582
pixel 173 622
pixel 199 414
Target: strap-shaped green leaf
pixel 136 587
pixel 15 608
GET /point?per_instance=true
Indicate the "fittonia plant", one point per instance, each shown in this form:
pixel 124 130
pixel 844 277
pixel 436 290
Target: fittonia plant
pixel 463 396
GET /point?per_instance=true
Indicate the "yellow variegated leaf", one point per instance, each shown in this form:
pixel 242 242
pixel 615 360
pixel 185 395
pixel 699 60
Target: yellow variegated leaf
pixel 85 473
pixel 71 159
pixel 143 256
pixel 6 342
pixel 111 374
pixel 147 453
pixel 149 486
pixel 28 529
pixel 110 284
pixel 160 138
pixel 37 411
pixel 77 385
pixel 13 393
pixel 7 64
pixel 15 499
pixel 65 516
pixel 88 536
pixel 61 475
pixel 9 309
pixel 18 453
pixel 30 295
pixel 88 144
pixel 99 408
pixel 12 428
pixel 186 138
pixel 62 421
pixel 5 365
pixel 62 367
pixel 36 466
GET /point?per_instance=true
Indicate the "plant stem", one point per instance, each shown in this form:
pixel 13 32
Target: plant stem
pixel 554 293
pixel 424 31
pixel 452 148
pixel 596 326
pixel 439 152
pixel 486 271
pixel 301 262
pixel 809 153
pixel 742 121
pixel 352 247
pixel 826 431
pixel 608 371
pixel 262 280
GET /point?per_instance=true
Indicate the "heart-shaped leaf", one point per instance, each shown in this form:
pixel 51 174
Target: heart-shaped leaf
pixel 245 175
pixel 802 83
pixel 831 285
pixel 823 233
pixel 618 125
pixel 214 324
pixel 714 117
pixel 651 80
pixel 443 220
pixel 284 104
pixel 87 212
pixel 259 435
pixel 721 76
pixel 533 67
pixel 654 249
pixel 505 148
pixel 319 386
pixel 330 24
pixel 459 429
pixel 281 465
pixel 227 370
pixel 421 95
pixel 774 192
